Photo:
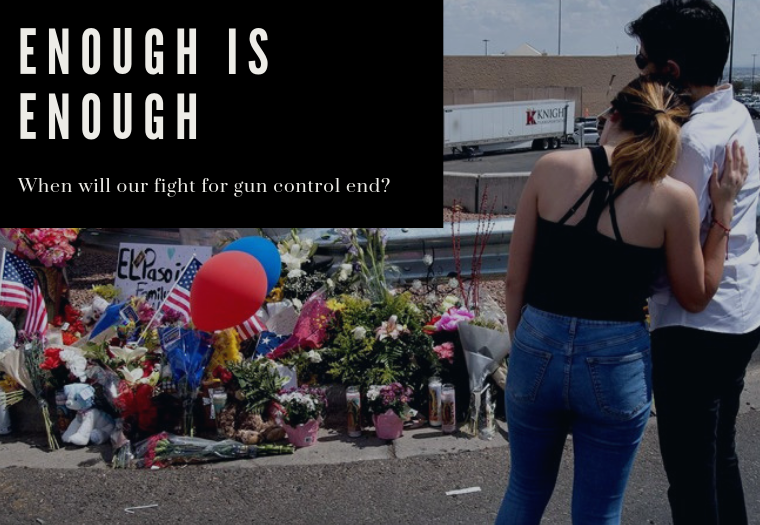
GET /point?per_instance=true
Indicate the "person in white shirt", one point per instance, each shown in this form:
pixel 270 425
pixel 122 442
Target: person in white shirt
pixel 700 359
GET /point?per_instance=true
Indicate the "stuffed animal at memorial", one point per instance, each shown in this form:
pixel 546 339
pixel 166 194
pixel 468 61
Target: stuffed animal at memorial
pixel 7 334
pixel 91 425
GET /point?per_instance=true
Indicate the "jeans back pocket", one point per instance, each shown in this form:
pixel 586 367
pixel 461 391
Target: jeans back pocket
pixel 526 370
pixel 622 384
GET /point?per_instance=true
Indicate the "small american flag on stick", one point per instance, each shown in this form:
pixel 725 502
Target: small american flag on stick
pixel 178 299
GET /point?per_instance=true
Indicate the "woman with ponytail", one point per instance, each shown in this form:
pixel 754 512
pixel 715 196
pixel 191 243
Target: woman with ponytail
pixel 593 229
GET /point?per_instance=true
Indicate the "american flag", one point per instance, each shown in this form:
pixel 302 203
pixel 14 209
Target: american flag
pixel 178 299
pixel 250 328
pixel 269 341
pixel 19 289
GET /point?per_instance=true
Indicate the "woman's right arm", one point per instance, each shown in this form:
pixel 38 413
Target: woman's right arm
pixel 695 271
pixel 521 248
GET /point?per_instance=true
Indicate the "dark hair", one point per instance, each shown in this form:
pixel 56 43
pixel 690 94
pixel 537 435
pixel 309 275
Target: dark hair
pixel 654 112
pixel 692 33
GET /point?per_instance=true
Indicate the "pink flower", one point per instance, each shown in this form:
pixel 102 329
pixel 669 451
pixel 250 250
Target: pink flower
pixel 445 351
pixel 452 318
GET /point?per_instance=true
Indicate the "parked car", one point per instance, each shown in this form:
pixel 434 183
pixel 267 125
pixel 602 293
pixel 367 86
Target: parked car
pixel 590 135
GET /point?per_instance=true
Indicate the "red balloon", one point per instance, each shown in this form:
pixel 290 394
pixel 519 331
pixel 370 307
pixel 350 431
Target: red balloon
pixel 228 290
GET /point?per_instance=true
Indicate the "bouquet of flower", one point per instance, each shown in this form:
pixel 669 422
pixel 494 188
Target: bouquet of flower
pixel 393 397
pixel 52 247
pixel 367 258
pixel 256 382
pixel 23 365
pixel 380 344
pixel 484 350
pixel 311 328
pixel 302 405
pixel 165 450
pixel 70 324
pixel 10 392
pixel 188 353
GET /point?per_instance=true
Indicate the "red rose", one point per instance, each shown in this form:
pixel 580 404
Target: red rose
pixel 52 359
pixel 69 338
pixel 222 374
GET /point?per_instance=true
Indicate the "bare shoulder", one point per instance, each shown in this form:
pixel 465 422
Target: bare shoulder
pixel 560 163
pixel 674 197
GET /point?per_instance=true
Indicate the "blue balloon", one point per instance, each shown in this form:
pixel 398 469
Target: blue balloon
pixel 264 251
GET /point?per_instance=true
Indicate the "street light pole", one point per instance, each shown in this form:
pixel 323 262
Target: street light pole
pixel 486 41
pixel 752 86
pixel 731 60
pixel 559 30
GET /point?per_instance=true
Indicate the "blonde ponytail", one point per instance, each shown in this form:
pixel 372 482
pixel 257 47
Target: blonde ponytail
pixel 655 114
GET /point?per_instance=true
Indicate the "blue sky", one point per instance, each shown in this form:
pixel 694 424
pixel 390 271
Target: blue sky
pixel 589 27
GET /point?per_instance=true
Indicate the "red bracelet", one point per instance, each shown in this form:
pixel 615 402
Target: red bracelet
pixel 726 230
pixel 723 226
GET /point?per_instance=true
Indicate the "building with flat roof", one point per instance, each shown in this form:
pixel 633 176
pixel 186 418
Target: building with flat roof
pixel 591 81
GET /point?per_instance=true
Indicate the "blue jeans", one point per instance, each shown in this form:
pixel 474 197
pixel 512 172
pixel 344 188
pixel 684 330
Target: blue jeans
pixel 591 378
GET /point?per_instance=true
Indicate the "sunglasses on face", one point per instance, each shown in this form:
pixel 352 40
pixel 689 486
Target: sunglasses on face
pixel 601 119
pixel 641 61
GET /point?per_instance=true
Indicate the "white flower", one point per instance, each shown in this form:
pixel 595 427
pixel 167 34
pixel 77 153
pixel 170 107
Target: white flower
pixel 295 274
pixel 75 362
pixel 453 283
pixel 330 284
pixel 416 285
pixel 132 376
pixel 428 260
pixel 450 301
pixel 432 298
pixel 390 328
pixel 314 356
pixel 346 270
pixel 152 379
pixel 373 392
pixel 359 333
pixel 128 353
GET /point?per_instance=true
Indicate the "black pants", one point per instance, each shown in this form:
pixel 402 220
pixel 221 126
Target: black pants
pixel 698 378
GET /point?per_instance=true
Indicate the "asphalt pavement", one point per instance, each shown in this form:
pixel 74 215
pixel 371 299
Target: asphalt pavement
pixel 339 481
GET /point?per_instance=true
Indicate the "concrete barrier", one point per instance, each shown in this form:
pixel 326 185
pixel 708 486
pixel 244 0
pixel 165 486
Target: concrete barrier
pixel 460 187
pixel 506 188
pixel 468 188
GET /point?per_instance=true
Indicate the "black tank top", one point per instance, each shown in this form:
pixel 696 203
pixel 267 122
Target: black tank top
pixel 578 272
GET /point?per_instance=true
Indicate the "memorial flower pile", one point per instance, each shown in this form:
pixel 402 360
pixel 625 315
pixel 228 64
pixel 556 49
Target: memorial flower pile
pixel 335 322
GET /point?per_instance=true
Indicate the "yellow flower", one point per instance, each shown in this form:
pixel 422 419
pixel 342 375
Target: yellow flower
pixel 275 296
pixel 8 384
pixel 335 305
pixel 226 349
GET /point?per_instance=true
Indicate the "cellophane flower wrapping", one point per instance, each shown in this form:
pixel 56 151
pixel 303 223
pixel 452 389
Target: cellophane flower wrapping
pixel 484 350
pixel 166 450
pixel 311 329
pixel 188 353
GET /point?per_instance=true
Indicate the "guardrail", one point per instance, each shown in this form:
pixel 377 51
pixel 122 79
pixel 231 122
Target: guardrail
pixel 406 246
